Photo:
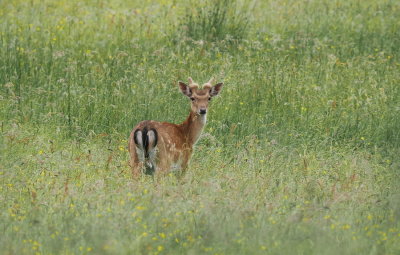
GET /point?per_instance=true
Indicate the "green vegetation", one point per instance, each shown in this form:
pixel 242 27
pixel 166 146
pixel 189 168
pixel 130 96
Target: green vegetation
pixel 300 154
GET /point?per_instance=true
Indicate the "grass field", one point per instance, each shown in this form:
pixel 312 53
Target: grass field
pixel 300 154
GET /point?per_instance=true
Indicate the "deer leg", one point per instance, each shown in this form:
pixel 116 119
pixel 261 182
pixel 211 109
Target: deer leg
pixel 162 168
pixel 183 167
pixel 136 164
pixel 136 169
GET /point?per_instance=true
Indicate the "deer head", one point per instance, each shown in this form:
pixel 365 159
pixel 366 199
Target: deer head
pixel 200 97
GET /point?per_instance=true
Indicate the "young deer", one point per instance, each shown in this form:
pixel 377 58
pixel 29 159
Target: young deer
pixel 159 146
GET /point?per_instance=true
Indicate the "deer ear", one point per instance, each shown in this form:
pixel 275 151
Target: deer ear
pixel 185 89
pixel 214 91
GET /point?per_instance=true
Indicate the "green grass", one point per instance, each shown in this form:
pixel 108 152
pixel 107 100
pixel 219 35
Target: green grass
pixel 301 150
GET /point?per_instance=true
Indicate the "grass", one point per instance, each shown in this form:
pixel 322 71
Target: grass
pixel 300 152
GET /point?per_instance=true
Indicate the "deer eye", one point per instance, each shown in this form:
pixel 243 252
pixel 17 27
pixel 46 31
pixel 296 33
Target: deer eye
pixel 192 98
pixel 209 99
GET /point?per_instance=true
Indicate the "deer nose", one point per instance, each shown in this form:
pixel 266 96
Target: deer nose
pixel 203 111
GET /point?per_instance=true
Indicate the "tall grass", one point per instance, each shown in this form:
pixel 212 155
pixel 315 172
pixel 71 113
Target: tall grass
pixel 215 21
pixel 299 155
pixel 103 68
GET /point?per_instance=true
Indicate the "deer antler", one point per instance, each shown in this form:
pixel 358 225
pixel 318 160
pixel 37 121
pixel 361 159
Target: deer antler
pixel 192 85
pixel 208 85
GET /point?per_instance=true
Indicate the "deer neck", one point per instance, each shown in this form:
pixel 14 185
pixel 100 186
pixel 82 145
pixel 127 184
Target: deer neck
pixel 193 126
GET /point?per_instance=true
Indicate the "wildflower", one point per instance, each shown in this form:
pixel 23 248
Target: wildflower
pixel 160 248
pixel 346 226
pixel 140 208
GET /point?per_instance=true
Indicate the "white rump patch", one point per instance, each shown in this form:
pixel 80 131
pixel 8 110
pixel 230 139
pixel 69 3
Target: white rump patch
pixel 152 138
pixel 139 146
pixel 140 150
pixel 152 149
pixel 139 139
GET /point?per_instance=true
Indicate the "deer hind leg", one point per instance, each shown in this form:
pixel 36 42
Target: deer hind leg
pixel 135 164
pixel 136 155
pixel 137 168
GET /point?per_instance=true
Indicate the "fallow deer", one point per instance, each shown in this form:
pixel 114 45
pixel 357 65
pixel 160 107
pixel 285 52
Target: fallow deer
pixel 157 147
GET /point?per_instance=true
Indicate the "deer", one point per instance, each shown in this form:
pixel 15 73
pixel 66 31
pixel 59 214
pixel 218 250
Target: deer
pixel 159 147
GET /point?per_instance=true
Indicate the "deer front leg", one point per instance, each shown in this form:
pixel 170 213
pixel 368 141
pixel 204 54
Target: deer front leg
pixel 184 165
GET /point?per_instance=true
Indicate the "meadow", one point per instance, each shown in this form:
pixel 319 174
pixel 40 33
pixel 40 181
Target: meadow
pixel 300 154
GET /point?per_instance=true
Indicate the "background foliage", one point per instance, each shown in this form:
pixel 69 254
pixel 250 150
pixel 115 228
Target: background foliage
pixel 300 154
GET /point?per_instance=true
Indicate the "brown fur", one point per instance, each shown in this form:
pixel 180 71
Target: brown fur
pixel 175 142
